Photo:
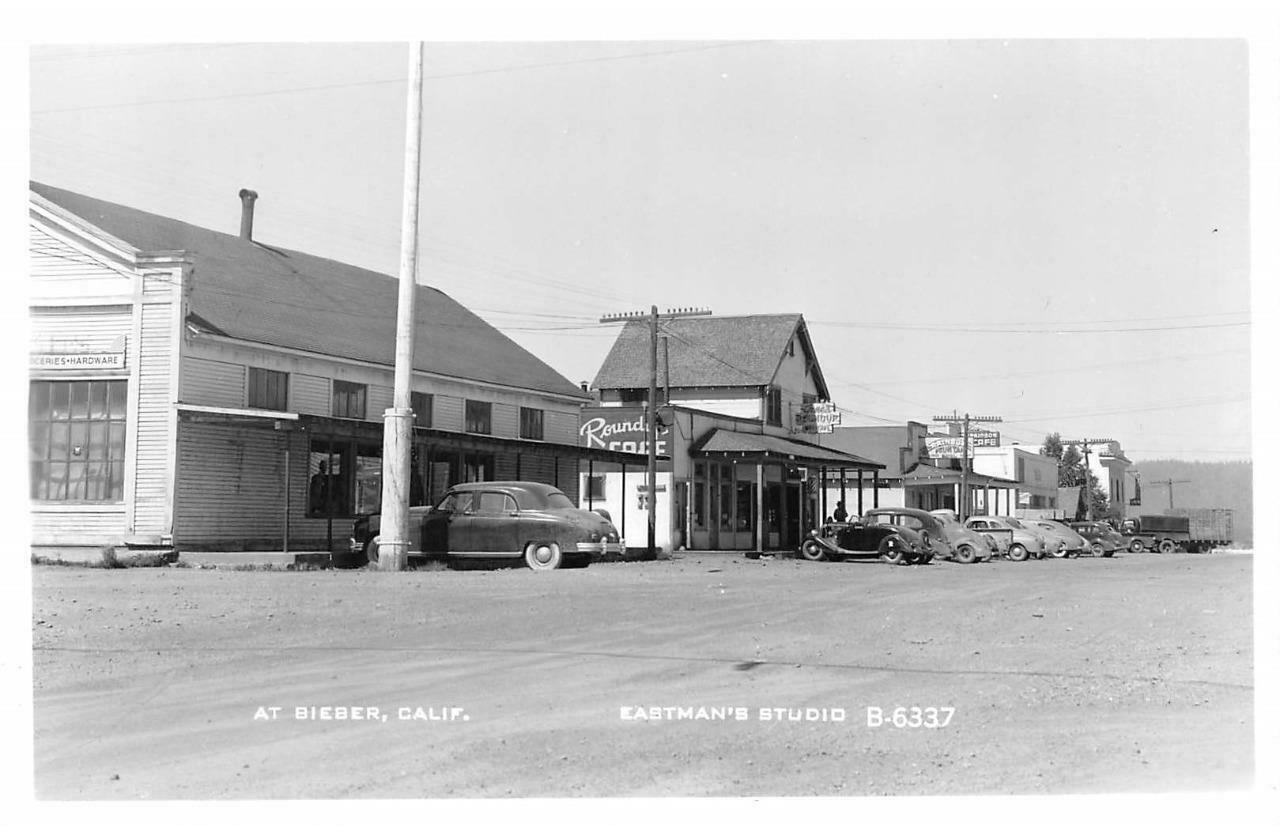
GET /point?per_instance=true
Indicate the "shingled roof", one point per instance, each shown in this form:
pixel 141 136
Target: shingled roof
pixel 705 351
pixel 247 290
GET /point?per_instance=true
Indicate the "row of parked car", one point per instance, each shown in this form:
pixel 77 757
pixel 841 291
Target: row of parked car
pixel 539 526
pixel 909 535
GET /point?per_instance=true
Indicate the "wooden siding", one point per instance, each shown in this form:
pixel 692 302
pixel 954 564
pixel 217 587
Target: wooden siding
pixel 506 420
pixel 561 428
pixel 448 413
pixel 93 525
pixel 231 491
pixel 152 474
pixel 215 383
pixel 60 268
pixel 310 394
pixel 379 398
pixel 742 408
pixel 56 329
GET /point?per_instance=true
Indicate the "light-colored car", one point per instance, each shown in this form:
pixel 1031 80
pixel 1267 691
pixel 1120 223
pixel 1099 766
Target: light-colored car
pixel 1015 540
pixel 940 539
pixel 967 545
pixel 1073 544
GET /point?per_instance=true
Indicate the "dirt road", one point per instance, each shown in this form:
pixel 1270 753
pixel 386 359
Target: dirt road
pixel 1097 675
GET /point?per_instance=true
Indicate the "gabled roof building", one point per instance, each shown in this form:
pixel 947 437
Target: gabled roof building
pixel 203 390
pixel 739 398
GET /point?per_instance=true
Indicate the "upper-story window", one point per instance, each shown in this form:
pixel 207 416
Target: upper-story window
pixel 773 405
pixel 349 399
pixel 530 423
pixel 422 404
pixel 479 417
pixel 268 389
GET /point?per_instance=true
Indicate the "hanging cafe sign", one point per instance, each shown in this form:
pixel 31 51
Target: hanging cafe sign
pixel 818 417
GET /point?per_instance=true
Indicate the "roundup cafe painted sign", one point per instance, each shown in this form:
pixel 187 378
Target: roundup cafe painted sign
pixel 620 428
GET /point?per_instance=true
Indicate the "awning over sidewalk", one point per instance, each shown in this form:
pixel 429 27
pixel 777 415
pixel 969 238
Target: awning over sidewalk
pixel 329 426
pixel 233 415
pixel 729 444
pixel 922 474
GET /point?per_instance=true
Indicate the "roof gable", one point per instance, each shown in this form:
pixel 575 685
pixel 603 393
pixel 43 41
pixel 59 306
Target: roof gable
pixel 702 351
pixel 250 291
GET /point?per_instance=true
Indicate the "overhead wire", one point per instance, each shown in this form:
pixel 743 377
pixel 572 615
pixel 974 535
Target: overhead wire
pixel 398 80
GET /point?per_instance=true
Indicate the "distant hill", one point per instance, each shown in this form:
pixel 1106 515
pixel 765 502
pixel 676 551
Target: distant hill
pixel 1212 485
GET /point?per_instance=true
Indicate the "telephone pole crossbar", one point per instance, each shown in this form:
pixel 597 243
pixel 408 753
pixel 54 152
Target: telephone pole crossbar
pixel 1169 483
pixel 962 507
pixel 1083 444
pixel 651 407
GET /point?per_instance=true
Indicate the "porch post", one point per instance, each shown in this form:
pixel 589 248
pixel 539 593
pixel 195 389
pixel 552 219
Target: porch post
pixel 859 492
pixel 875 488
pixel 842 493
pixel 822 472
pixel 760 536
pixel 590 475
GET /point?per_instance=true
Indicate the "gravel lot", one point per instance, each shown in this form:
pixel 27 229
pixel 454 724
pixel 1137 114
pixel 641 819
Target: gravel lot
pixel 1090 675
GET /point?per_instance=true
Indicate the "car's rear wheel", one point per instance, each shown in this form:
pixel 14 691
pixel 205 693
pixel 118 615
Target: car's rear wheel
pixel 543 556
pixel 1060 552
pixel 966 554
pixel 1135 547
pixel 1098 550
pixel 813 551
pixel 1018 552
pixel 1167 546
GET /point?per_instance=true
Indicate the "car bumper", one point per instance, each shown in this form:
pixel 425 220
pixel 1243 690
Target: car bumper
pixel 602 548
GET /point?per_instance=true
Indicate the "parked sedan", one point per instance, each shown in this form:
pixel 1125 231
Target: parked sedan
pixel 898 544
pixel 1104 540
pixel 945 543
pixel 1015 540
pixel 1073 544
pixel 514 521
pixel 969 546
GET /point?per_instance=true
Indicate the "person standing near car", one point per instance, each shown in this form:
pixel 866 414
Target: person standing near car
pixel 841 515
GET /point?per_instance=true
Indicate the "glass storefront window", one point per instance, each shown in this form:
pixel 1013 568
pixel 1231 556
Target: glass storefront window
pixel 76 440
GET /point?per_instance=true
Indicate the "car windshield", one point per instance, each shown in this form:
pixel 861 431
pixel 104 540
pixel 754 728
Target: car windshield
pixel 1009 520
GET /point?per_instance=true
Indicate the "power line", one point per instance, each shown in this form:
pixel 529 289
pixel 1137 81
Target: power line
pixel 1198 403
pixel 871 325
pixel 386 81
pixel 1084 368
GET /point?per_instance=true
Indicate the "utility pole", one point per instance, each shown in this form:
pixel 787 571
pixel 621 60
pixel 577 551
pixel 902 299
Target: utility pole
pixel 962 507
pixel 1170 483
pixel 397 420
pixel 651 406
pixel 1083 444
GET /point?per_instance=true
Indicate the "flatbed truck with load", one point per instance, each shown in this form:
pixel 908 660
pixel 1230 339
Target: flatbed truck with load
pixel 1194 530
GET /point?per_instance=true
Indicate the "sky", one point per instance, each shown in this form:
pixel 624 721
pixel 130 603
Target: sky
pixel 1053 231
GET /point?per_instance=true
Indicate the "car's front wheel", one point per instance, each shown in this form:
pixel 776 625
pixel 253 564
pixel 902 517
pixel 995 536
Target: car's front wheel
pixel 1018 552
pixel 1098 550
pixel 1060 552
pixel 966 554
pixel 371 549
pixel 891 551
pixel 813 551
pixel 1135 547
pixel 543 556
